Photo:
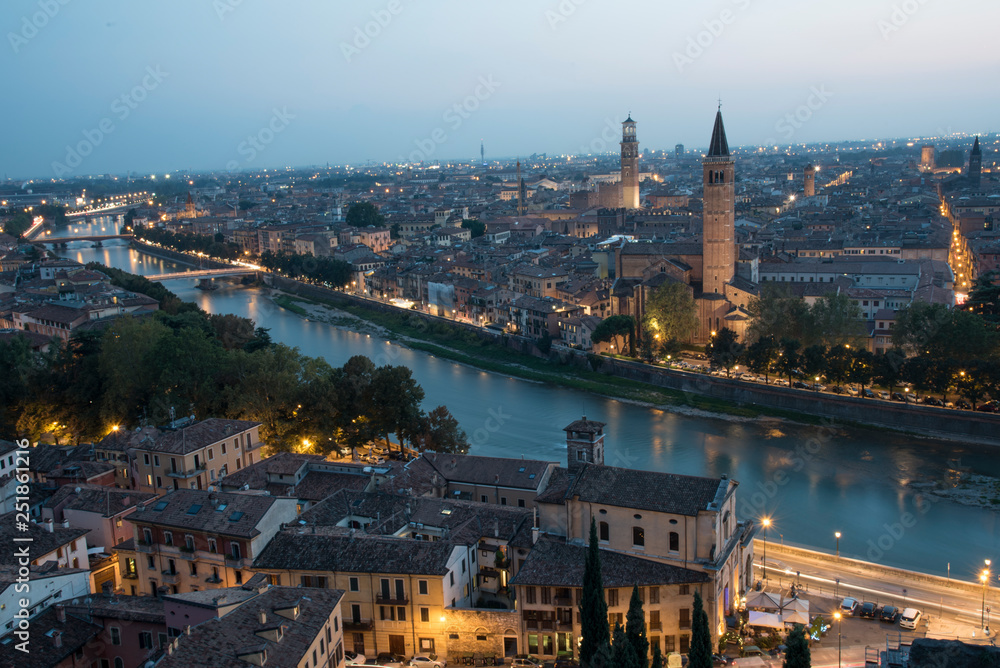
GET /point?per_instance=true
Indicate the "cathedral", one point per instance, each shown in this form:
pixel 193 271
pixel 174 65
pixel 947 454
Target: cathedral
pixel 721 283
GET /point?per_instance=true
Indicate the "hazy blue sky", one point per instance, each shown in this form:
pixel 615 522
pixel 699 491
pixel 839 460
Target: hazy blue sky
pixel 201 76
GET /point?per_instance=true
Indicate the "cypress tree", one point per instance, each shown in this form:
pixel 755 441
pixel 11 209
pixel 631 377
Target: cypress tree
pixel 657 657
pixel 635 630
pixel 797 654
pixel 700 655
pixel 593 608
pixel 622 652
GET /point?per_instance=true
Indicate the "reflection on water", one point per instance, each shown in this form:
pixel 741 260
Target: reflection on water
pixel 811 480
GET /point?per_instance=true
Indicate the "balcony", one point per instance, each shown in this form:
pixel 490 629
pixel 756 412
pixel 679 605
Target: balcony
pixel 130 576
pixel 564 625
pixel 170 578
pixel 143 546
pixel 236 562
pixel 382 600
pixel 187 553
pixel 656 626
pixel 563 601
pixel 213 579
pixel 358 624
pixel 190 473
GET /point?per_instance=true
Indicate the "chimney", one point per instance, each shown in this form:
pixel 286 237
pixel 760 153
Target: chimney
pixel 61 614
pixel 187 629
pixel 534 535
pixel 65 524
pixel 496 527
pixel 48 525
pixel 57 639
pixel 262 616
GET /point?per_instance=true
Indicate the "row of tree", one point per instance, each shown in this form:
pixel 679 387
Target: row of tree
pixel 831 320
pixel 628 646
pixel 214 246
pixel 320 269
pixel 137 369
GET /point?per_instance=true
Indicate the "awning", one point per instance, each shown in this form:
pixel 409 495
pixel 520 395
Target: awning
pixel 768 619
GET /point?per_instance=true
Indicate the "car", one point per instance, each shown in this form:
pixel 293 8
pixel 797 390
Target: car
pixel 889 614
pixel 867 394
pixel 719 660
pixel 752 650
pixel 988 407
pixel 837 389
pixel 800 385
pixel 931 401
pixel 427 662
pixel 390 660
pixel 963 404
pixel 868 610
pixel 897 396
pixel 525 662
pixel 910 618
pixel 848 606
pixel 354 659
pixel 565 663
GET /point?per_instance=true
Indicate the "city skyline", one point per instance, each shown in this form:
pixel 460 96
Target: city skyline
pixel 313 87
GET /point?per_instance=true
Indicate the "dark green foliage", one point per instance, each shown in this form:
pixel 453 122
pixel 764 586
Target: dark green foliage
pixel 169 302
pixel 617 328
pixel 478 227
pixel 797 654
pixel 723 350
pixel 789 358
pixel 700 654
pixel 320 269
pixel 192 243
pixel 364 214
pixel 622 652
pixel 635 629
pixel 657 658
pixel 593 607
pixel 671 312
pixel 761 355
pixel 17 224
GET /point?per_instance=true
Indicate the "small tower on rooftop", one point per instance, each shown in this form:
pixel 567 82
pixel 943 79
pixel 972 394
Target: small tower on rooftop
pixel 584 443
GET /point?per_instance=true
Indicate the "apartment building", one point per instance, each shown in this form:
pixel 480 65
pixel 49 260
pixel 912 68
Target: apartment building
pixel 191 540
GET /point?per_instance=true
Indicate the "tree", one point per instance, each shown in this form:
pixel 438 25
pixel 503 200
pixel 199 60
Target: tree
pixel 814 361
pixel 620 328
pixel 657 657
pixel 671 312
pixel 797 653
pixel 838 364
pixel 232 331
pixel 635 629
pixel 593 607
pixel 779 313
pixel 888 369
pixel 836 320
pixel 439 431
pixel 789 358
pixel 17 224
pixel 477 227
pixel 862 368
pixel 647 346
pixel 364 214
pixel 395 402
pixel 723 350
pixel 761 355
pixel 974 379
pixel 622 653
pixel 700 654
pixel 984 300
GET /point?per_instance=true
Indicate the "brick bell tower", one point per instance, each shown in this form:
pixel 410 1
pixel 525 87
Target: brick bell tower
pixel 719 215
pixel 630 165
pixel 584 443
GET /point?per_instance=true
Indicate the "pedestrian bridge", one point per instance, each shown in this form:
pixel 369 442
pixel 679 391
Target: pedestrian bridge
pixel 204 273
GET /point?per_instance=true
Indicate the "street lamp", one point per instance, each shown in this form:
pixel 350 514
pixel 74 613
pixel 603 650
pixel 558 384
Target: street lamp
pixel 837 535
pixel 984 577
pixel 838 617
pixel 766 522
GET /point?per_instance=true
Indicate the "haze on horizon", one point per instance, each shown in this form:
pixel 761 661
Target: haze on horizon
pixel 531 77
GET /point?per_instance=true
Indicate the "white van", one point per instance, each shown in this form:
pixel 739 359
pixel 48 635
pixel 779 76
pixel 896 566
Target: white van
pixel 909 619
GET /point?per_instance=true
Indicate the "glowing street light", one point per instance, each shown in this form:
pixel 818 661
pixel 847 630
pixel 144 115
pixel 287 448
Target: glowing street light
pixel 837 535
pixel 838 617
pixel 766 522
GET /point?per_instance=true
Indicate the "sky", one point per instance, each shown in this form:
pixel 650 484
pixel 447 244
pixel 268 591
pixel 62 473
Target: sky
pixel 97 86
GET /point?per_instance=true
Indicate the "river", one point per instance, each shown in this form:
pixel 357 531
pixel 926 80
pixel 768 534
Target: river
pixel 811 481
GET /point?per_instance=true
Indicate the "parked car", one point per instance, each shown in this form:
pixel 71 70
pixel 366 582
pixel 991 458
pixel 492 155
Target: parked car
pixel 897 396
pixel 354 659
pixel 390 660
pixel 868 610
pixel 988 407
pixel 889 614
pixel 752 650
pixel 848 606
pixel 963 404
pixel 932 401
pixel 565 663
pixel 910 618
pixel 867 394
pixel 427 662
pixel 719 660
pixel 525 662
pixel 837 389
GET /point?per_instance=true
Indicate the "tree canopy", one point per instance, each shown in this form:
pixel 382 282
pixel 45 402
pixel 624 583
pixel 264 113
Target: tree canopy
pixel 617 328
pixel 671 314
pixel 364 214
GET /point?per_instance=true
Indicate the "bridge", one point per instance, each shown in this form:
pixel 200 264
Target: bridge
pixel 62 240
pixel 204 273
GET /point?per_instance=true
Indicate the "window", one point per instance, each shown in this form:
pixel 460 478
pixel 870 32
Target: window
pixel 116 635
pixel 612 597
pixel 401 614
pixel 668 644
pixel 451 576
pixel 675 541
pixel 605 531
pixel 638 537
pixel 119 663
pixel 529 595
pixel 213 546
pixel 145 640
pixel 654 620
pixel 147 536
pixel 194 568
pixel 211 454
pixel 484 498
pixel 145 458
pixel 520 503
pixel 425 615
pixel 684 620
pixel 685 590
pixel 422 587
pixel 654 595
pixel 546 596
pixel 503 500
pixel 354 584
pixel 156 460
pixel 685 644
pixel 223 448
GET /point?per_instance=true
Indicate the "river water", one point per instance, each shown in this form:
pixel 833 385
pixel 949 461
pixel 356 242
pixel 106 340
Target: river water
pixel 812 481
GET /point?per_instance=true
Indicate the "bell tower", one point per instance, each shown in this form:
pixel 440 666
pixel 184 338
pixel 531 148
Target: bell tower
pixel 630 165
pixel 719 215
pixel 809 187
pixel 975 165
pixel 584 443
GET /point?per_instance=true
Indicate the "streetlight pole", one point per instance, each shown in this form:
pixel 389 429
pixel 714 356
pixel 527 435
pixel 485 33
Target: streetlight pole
pixel 766 522
pixel 983 578
pixel 837 535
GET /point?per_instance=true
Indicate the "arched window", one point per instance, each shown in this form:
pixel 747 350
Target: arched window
pixel 604 531
pixel 638 537
pixel 119 663
pixel 675 541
